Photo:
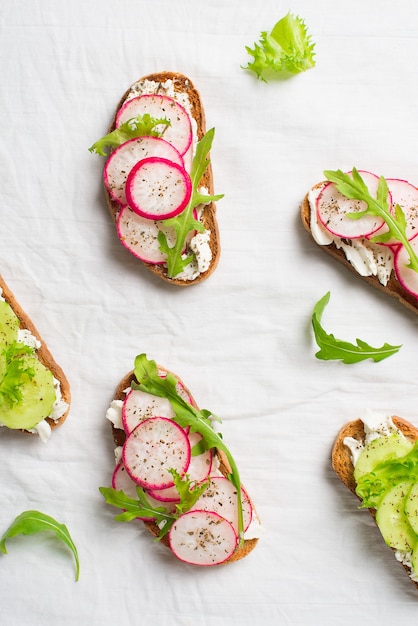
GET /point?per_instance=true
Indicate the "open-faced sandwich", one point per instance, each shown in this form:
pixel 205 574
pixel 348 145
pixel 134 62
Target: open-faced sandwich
pixel 34 392
pixel 174 472
pixel 369 224
pixel 376 457
pixel 158 178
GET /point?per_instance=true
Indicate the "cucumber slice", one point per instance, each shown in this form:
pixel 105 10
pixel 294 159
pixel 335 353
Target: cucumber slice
pixel 9 324
pixel 392 520
pixel 38 397
pixel 389 447
pixel 411 507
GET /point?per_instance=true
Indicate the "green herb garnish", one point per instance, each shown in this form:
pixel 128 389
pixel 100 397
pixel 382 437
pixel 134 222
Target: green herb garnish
pixel 185 221
pixel 17 370
pixel 286 50
pixel 31 522
pixel 332 349
pixel 141 125
pixel 355 188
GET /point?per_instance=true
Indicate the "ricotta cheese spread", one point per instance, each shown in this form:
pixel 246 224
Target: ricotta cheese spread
pixel 367 258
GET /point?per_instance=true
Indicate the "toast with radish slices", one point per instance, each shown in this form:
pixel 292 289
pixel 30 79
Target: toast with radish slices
pixel 369 224
pixel 174 472
pixel 34 392
pixel 376 458
pixel 158 178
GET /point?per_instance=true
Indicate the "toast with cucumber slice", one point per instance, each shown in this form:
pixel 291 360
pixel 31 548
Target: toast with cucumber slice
pixel 34 391
pixel 377 460
pixel 369 224
pixel 174 472
pixel 158 178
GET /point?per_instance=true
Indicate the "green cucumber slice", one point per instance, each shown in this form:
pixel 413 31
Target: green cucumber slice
pixel 38 397
pixel 392 520
pixel 389 447
pixel 411 507
pixel 9 324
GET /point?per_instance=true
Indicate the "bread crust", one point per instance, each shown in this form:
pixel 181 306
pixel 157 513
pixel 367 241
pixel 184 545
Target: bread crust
pixel 393 288
pixel 119 439
pixel 43 353
pixel 182 84
pixel 341 456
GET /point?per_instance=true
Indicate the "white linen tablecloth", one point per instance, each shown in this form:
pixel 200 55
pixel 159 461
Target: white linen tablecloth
pixel 241 341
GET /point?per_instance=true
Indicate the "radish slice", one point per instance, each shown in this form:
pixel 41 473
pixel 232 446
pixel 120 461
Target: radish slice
pixel 121 481
pixel 139 405
pixel 333 207
pixel 139 235
pixel 153 447
pixel 179 133
pixel 169 494
pixel 406 195
pixel 202 538
pixel 221 497
pixel 125 156
pixel 158 188
pixel 406 276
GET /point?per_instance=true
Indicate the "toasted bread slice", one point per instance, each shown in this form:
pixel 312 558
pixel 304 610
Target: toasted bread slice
pixel 393 288
pixel 42 353
pixel 119 439
pixel 341 456
pixel 183 85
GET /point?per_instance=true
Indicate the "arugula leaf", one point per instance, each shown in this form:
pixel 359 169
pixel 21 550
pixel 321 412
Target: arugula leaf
pixel 135 127
pixel 31 522
pixel 185 222
pixel 355 188
pixel 16 371
pixel 146 373
pixel 286 50
pixel 188 491
pixel 335 349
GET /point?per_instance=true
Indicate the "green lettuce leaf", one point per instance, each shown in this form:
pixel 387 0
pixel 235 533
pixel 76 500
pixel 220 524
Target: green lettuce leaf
pixel 31 522
pixel 286 50
pixel 338 350
pixel 138 126
pixel 185 222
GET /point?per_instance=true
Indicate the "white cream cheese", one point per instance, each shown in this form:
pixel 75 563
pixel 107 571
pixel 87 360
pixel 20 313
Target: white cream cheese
pixel 114 413
pixel 367 257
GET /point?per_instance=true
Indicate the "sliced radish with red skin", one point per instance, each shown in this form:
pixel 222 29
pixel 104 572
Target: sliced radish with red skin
pixel 333 207
pixel 407 277
pixel 202 538
pixel 154 447
pixel 158 188
pixel 406 195
pixel 169 494
pixel 140 405
pixel 124 157
pixel 121 481
pixel 200 465
pixel 179 133
pixel 221 497
pixel 139 235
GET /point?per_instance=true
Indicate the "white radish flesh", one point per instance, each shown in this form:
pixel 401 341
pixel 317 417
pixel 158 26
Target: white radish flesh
pixel 407 277
pixel 221 497
pixel 406 195
pixel 202 538
pixel 200 465
pixel 154 447
pixel 333 208
pixel 139 405
pixel 158 188
pixel 139 235
pixel 179 133
pixel 124 157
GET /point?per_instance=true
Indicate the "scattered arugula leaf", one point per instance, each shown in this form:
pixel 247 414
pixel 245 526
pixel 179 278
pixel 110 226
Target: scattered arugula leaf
pixel 146 373
pixel 185 222
pixel 286 50
pixel 337 350
pixel 135 127
pixel 355 188
pixel 31 522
